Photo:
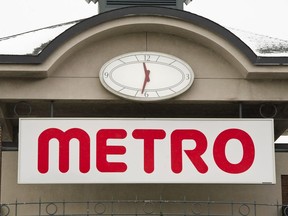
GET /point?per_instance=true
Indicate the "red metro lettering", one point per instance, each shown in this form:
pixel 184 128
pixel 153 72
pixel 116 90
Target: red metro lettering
pixel 103 150
pixel 248 151
pixel 64 139
pixel 148 136
pixel 194 155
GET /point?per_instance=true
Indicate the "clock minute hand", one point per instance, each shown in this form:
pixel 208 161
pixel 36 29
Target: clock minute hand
pixel 147 78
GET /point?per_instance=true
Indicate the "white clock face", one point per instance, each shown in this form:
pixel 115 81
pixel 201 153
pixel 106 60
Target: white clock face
pixel 146 76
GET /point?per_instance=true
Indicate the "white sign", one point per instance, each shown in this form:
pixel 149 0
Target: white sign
pixel 146 151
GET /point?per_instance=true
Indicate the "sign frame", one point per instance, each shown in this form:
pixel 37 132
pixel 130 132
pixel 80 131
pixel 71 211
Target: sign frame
pixel 262 171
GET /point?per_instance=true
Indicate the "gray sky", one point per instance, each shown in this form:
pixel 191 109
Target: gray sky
pixel 24 15
pixel 268 17
pixel 259 16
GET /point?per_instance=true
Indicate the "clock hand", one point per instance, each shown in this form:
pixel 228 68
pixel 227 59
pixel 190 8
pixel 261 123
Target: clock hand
pixel 147 78
pixel 145 81
pixel 147 72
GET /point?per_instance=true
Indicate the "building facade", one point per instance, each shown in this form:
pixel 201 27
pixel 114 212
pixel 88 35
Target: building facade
pixel 230 82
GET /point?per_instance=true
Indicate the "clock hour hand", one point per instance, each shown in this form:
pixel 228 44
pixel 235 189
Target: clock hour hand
pixel 147 72
pixel 147 78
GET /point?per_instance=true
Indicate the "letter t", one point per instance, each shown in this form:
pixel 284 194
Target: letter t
pixel 149 135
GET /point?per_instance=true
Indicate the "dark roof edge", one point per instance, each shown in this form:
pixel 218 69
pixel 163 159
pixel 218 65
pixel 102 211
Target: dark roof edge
pixel 141 11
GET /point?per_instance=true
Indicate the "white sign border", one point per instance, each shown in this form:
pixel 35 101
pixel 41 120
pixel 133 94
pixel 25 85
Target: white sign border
pixel 273 175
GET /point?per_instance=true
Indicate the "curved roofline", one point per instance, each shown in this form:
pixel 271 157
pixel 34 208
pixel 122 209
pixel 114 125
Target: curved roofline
pixel 142 11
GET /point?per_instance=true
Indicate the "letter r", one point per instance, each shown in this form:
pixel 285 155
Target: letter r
pixel 194 155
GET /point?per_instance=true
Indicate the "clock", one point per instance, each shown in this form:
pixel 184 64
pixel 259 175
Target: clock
pixel 146 76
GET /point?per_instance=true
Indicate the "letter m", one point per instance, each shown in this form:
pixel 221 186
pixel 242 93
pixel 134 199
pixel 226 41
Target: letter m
pixel 64 140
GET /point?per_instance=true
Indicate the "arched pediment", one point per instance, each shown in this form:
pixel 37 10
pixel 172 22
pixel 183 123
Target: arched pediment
pixel 145 19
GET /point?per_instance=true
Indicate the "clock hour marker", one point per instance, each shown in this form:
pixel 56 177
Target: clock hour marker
pixel 121 89
pixel 121 61
pixel 172 62
pixel 171 90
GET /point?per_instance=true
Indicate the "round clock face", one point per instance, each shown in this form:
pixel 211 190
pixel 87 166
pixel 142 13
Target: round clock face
pixel 146 76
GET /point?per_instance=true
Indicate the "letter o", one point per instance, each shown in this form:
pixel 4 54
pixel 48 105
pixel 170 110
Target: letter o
pixel 248 151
